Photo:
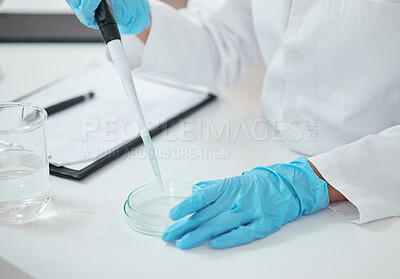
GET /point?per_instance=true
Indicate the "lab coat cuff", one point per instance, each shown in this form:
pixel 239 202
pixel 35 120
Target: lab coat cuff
pixel 142 56
pixel 159 41
pixel 134 50
pixel 330 170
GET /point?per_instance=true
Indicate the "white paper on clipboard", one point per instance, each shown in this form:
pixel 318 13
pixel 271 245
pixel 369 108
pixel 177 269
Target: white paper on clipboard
pixel 80 135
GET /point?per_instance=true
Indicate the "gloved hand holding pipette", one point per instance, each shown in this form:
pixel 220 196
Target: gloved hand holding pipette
pixel 238 210
pixel 132 16
pixel 99 13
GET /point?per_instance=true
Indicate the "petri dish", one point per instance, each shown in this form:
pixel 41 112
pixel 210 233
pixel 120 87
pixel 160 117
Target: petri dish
pixel 147 207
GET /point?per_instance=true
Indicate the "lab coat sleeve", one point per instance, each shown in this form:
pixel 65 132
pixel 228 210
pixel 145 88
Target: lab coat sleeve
pixel 367 173
pixel 210 43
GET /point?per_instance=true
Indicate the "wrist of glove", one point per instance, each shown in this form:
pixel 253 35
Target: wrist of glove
pixel 234 211
pixel 132 16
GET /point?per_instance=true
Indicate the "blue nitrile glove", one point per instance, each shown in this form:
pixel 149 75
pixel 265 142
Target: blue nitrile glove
pixel 238 210
pixel 132 16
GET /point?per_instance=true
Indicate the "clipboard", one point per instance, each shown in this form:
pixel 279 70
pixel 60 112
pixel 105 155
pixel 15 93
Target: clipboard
pixel 162 124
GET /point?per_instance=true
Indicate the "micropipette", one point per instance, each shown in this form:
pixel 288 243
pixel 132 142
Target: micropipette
pixel 112 38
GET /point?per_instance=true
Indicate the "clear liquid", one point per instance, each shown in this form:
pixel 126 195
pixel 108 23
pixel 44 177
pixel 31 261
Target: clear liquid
pixel 157 210
pixel 24 186
pixel 148 144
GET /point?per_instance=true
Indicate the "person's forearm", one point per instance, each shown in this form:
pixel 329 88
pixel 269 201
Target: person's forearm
pixel 144 34
pixel 334 195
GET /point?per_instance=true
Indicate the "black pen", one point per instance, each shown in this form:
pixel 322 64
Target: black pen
pixel 68 103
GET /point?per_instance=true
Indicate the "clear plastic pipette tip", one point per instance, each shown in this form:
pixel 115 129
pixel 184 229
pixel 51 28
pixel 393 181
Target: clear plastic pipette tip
pixel 148 144
pixel 120 61
pixel 159 180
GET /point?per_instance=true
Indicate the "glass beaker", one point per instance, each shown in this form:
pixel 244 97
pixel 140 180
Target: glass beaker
pixel 24 167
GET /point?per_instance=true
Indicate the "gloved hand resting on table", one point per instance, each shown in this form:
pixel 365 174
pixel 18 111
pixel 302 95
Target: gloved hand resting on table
pixel 132 16
pixel 238 210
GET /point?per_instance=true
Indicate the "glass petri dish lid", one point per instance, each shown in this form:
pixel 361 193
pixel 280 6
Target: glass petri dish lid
pixel 147 207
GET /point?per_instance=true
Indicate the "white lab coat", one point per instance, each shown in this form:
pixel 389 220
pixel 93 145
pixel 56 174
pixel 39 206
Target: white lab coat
pixel 333 66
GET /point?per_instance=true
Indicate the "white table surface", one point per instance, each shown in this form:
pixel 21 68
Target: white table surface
pixel 85 236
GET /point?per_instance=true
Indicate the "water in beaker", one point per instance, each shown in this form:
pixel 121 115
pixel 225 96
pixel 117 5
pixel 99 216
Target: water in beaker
pixel 25 187
pixel 24 168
